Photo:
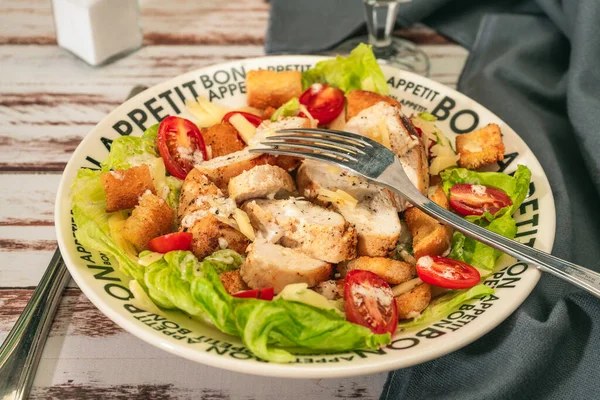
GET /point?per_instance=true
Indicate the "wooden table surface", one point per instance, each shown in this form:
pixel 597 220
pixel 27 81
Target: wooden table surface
pixel 49 100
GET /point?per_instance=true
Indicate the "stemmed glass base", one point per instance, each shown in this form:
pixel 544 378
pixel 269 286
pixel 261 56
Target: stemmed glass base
pixel 399 53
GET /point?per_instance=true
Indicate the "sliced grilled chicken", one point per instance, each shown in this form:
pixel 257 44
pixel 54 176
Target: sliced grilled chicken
pixel 331 289
pixel 201 204
pixel 272 265
pixel 393 272
pixel 386 124
pixel 221 169
pixel 195 185
pixel 299 224
pixel 211 234
pixel 263 181
pixel 268 128
pixel 374 216
pixel 411 304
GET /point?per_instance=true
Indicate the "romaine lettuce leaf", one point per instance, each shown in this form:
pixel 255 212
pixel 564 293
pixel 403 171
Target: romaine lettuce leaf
pixel 289 109
pixel 129 151
pixel 89 213
pixel 180 281
pixel 224 260
pixel 446 304
pixel 357 71
pixel 516 187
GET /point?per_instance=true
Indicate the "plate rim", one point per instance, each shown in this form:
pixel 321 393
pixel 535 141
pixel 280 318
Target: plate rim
pixel 274 369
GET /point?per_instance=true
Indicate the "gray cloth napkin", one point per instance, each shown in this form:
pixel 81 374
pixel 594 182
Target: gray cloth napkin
pixel 536 65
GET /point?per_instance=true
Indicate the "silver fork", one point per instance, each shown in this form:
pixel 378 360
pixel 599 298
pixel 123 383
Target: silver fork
pixel 377 164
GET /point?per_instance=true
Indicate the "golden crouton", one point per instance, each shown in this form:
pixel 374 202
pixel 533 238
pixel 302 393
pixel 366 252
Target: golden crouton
pixel 430 238
pixel 123 188
pixel 196 184
pixel 480 148
pixel 269 111
pixel 411 304
pixel 393 272
pixel 151 218
pixel 233 282
pixel 270 88
pixel 222 139
pixel 359 100
pixel 207 233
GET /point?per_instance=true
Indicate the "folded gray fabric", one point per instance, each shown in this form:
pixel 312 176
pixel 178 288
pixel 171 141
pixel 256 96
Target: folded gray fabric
pixel 535 64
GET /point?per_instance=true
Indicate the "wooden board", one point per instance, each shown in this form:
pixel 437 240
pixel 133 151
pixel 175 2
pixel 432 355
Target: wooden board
pixel 49 100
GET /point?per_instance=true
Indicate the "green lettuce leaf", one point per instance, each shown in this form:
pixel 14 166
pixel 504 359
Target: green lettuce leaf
pixel 480 255
pixel 357 71
pixel 224 260
pixel 174 185
pixel 89 213
pixel 516 187
pixel 445 305
pixel 289 109
pixel 129 151
pixel 180 281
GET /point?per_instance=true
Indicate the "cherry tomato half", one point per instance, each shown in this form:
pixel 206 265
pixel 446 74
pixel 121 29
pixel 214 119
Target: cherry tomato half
pixel 171 242
pixel 323 102
pixel 253 119
pixel 369 301
pixel 261 294
pixel 469 199
pixel 447 273
pixel 181 145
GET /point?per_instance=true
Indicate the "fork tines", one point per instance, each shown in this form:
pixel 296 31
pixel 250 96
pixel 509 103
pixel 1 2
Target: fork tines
pixel 319 144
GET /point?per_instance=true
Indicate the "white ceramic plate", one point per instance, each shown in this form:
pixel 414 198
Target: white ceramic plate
pixel 178 334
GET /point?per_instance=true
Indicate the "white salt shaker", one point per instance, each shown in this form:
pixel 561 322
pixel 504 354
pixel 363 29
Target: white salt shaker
pixel 98 31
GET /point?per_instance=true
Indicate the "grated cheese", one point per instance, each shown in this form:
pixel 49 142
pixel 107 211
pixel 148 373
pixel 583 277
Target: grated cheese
pixel 243 126
pixel 406 287
pixel 338 197
pixel 243 222
pixel 205 112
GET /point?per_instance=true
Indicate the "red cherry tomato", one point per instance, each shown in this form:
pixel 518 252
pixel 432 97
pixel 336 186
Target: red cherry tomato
pixel 469 199
pixel 253 119
pixel 447 273
pixel 261 294
pixel 369 301
pixel 171 242
pixel 323 102
pixel 181 145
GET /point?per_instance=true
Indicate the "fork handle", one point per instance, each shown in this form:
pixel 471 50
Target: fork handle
pixel 573 273
pixel 22 348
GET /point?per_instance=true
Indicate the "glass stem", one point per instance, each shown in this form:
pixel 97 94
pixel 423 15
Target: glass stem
pixel 381 17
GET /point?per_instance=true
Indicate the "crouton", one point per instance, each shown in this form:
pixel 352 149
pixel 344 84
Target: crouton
pixel 233 282
pixel 481 147
pixel 269 111
pixel 222 139
pixel 152 217
pixel 124 188
pixel 411 304
pixel 210 234
pixel 270 88
pixel 359 100
pixel 221 169
pixel 430 238
pixel 393 272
